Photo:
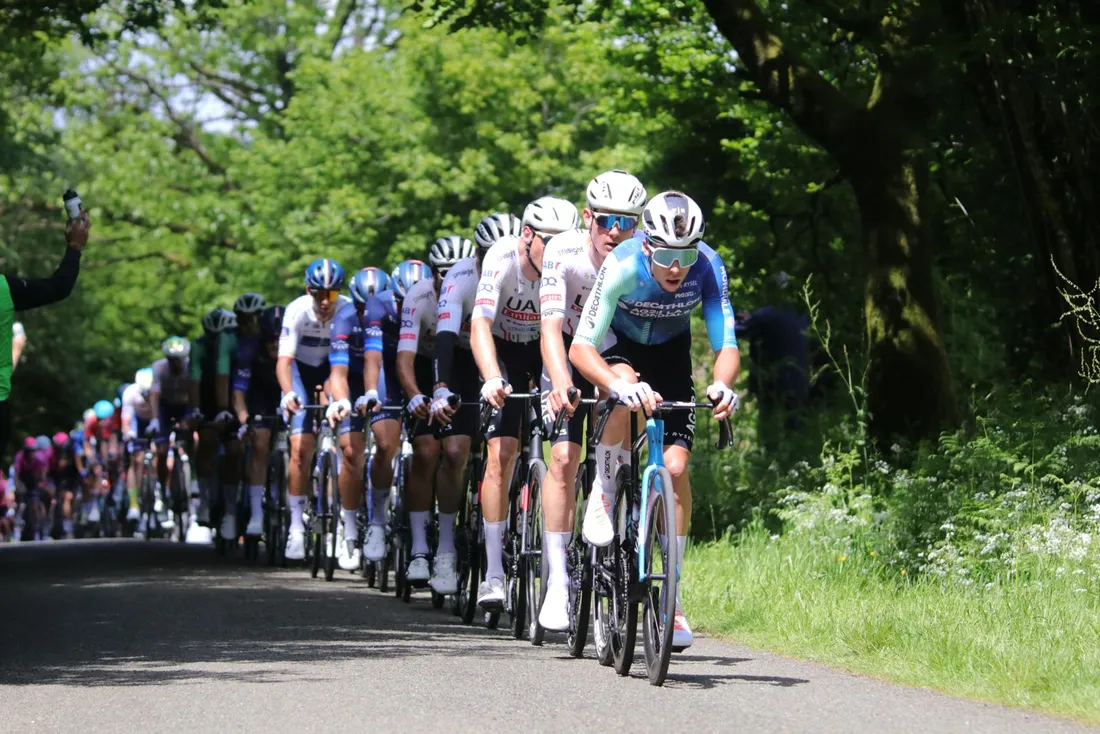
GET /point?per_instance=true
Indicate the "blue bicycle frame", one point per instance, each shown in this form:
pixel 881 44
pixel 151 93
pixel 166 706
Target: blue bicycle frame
pixel 655 439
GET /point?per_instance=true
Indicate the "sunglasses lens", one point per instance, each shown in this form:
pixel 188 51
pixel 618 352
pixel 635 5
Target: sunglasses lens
pixel 666 256
pixel 607 221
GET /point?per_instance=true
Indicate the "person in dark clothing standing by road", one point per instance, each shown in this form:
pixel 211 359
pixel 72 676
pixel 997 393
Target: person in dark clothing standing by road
pixel 20 294
pixel 779 373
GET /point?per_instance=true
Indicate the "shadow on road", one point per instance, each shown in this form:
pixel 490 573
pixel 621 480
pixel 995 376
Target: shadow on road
pixel 110 613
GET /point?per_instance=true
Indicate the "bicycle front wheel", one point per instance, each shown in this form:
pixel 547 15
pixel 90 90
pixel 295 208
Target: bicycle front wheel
pixel 660 564
pixel 536 565
pixel 330 512
pixel 578 558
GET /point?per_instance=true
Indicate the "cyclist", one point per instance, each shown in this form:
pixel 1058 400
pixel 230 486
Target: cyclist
pixel 382 384
pixel 170 401
pixel 644 294
pixel 256 392
pixel 454 365
pixel 245 328
pixel 29 470
pixel 101 442
pixel 137 413
pixel 414 371
pixel 64 477
pixel 208 417
pixel 504 336
pixel 346 381
pixel 303 367
pixel 569 265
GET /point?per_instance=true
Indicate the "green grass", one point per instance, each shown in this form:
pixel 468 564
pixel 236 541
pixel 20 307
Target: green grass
pixel 1033 644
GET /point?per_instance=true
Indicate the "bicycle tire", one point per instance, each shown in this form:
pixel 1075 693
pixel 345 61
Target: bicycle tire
pixel 330 517
pixel 537 566
pixel 181 496
pixel 474 552
pixel 316 510
pixel 659 605
pixel 271 521
pixel 626 610
pixel 578 558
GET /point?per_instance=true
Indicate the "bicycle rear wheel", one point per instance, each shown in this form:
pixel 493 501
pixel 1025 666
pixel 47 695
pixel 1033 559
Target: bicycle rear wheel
pixel 625 616
pixel 659 564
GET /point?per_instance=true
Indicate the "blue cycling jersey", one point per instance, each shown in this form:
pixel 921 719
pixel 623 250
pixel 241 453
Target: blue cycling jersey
pixel 628 299
pixel 349 336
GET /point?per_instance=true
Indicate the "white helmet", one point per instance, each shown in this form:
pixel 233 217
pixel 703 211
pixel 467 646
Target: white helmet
pixel 673 219
pixel 494 226
pixel 617 192
pixel 249 303
pixel 551 215
pixel 446 251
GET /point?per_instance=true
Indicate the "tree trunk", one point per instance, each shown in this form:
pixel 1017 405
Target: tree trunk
pixel 909 390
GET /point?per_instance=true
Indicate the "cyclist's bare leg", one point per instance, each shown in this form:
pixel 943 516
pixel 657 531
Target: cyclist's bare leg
pixel 501 459
pixel 419 487
pixel 451 472
pixel 257 465
pixel 301 449
pixel 352 446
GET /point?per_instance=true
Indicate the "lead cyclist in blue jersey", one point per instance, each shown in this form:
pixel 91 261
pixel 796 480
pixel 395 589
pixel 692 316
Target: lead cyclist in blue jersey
pixel 638 319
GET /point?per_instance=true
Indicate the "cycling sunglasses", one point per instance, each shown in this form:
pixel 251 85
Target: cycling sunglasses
pixel 623 221
pixel 321 292
pixel 667 256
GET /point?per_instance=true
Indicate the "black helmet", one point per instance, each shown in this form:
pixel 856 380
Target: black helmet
pixel 271 321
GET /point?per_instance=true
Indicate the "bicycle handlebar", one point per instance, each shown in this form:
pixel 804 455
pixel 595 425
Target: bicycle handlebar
pixel 725 431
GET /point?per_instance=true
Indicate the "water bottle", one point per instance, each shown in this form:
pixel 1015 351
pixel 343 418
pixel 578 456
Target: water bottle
pixel 72 203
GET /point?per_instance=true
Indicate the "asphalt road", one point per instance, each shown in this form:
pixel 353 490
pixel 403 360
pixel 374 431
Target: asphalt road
pixel 133 636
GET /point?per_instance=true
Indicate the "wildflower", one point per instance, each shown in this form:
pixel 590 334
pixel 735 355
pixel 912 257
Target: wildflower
pixel 842 559
pixel 874 554
pixel 904 572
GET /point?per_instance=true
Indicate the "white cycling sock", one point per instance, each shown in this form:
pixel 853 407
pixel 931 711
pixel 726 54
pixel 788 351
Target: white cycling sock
pixel 606 460
pixel 681 543
pixel 378 499
pixel 554 545
pixel 419 523
pixel 297 506
pixel 446 533
pixel 256 494
pixel 494 550
pixel 351 527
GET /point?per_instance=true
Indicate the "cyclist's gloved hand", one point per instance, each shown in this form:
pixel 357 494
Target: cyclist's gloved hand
pixel 154 426
pixel 242 431
pixel 339 410
pixel 495 390
pixel 420 405
pixel 636 395
pixel 441 409
pixel 291 403
pixel 724 398
pixel 367 397
pixel 223 417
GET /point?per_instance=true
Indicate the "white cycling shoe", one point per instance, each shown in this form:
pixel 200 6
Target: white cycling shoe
pixel 597 529
pixel 133 514
pixel 682 636
pixel 419 569
pixel 347 555
pixel 554 615
pixel 255 526
pixel 374 545
pixel 199 534
pixel 445 574
pixel 490 594
pixel 296 546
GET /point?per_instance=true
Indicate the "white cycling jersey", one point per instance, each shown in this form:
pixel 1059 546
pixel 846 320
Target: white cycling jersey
pixel 305 337
pixel 505 296
pixel 568 275
pixel 418 319
pixel 134 405
pixel 456 300
pixel 173 389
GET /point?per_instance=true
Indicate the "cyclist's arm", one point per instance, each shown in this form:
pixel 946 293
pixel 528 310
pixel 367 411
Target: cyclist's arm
pixel 127 416
pixel 284 376
pixel 614 280
pixel 338 352
pixel 194 376
pixel 449 313
pixel 288 349
pixel 719 318
pixel 226 344
pixel 552 293
pixel 338 382
pixel 242 374
pixel 494 270
pixel 407 341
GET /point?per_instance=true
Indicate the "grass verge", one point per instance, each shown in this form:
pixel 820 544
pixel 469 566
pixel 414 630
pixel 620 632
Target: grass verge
pixel 1033 644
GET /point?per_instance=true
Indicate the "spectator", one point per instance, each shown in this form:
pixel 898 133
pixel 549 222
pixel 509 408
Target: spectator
pixel 19 294
pixel 779 365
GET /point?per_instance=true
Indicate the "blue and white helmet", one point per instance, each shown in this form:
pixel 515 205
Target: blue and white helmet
pixel 325 274
pixel 406 275
pixel 366 283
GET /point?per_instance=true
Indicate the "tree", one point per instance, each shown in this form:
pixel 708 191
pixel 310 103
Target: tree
pixel 880 147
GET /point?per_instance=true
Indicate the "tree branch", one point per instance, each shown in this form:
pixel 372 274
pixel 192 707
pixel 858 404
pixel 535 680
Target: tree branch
pixel 818 108
pixel 340 17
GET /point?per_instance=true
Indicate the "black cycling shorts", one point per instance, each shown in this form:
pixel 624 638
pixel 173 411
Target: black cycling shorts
pixel 464 379
pixel 572 430
pixel 520 366
pixel 667 368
